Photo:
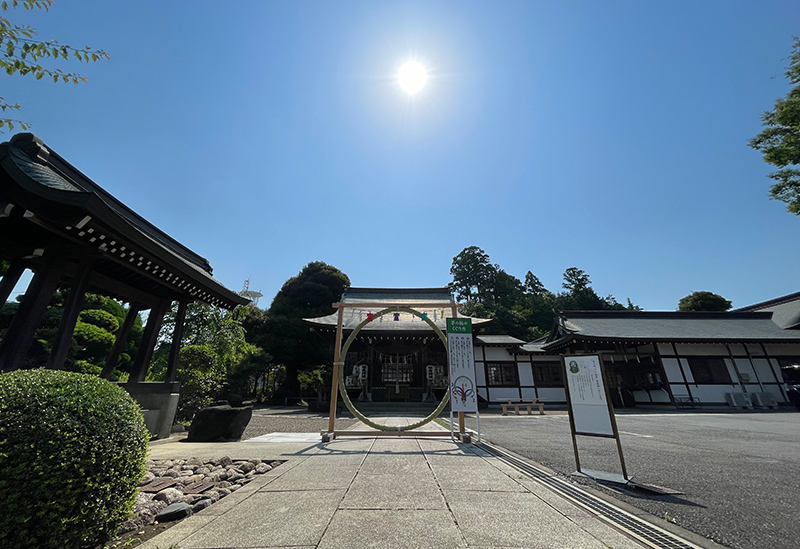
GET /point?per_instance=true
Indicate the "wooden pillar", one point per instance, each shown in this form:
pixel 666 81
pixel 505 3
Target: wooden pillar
pixel 119 342
pixel 337 359
pixel 26 321
pixel 177 336
pixel 9 281
pixel 58 355
pixel 141 363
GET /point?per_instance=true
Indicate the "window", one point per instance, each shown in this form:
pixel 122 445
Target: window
pixel 397 372
pixel 502 374
pixel 709 370
pixel 547 374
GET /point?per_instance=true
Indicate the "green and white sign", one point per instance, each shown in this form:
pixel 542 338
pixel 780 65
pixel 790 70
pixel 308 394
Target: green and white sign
pixel 463 391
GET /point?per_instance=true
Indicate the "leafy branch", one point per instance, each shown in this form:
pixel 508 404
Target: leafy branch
pixel 21 53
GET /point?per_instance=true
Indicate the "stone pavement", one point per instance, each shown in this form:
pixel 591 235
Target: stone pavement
pixel 393 492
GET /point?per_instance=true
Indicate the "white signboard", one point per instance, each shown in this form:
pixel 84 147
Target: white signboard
pixel 463 392
pixel 587 395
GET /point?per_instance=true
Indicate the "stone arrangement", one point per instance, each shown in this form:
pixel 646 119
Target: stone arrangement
pixel 174 489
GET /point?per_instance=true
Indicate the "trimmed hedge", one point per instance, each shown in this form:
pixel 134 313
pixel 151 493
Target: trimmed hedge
pixel 72 451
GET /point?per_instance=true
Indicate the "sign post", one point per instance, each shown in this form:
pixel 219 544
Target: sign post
pixel 463 391
pixel 590 411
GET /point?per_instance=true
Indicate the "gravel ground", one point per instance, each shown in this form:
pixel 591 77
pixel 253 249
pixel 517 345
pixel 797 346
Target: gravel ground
pixel 283 419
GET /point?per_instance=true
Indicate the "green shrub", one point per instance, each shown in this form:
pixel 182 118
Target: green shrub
pixel 101 319
pixel 72 450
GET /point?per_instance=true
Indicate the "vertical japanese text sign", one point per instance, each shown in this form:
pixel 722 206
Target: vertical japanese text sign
pixel 463 394
pixel 587 396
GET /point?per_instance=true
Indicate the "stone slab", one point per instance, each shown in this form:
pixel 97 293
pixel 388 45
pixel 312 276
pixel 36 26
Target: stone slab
pixel 406 529
pixel 394 492
pixel 515 520
pixel 270 519
pixel 476 478
pixel 315 477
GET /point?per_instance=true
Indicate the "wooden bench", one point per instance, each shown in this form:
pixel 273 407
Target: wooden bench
pixel 528 403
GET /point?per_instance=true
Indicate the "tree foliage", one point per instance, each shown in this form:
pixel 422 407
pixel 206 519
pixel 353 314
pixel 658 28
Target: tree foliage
pixel 704 301
pixel 23 54
pixel 285 336
pixel 779 141
pixel 523 310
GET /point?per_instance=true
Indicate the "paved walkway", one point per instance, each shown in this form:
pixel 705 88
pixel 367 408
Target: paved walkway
pixel 398 493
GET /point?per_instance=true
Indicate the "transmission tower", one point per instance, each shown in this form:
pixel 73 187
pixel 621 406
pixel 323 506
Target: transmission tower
pixel 252 295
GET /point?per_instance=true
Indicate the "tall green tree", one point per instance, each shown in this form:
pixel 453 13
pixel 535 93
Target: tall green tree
pixel 779 141
pixel 704 301
pixel 285 336
pixel 523 310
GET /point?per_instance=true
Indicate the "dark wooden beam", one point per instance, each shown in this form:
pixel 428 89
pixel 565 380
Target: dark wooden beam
pixel 177 336
pixel 71 311
pixel 119 342
pixel 19 337
pixel 9 281
pixel 141 363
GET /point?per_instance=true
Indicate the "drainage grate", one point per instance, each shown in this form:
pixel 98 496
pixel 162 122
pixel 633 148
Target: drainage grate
pixel 642 530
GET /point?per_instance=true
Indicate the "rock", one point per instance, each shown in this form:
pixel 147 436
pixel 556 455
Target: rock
pixel 213 495
pixel 171 473
pixel 175 511
pixel 194 462
pixel 147 478
pixel 254 461
pixel 251 474
pixel 223 462
pixel 178 428
pixel 186 473
pixel 194 478
pixel 246 467
pixel 223 484
pixel 169 495
pixel 234 487
pixel 219 422
pixel 204 470
pixel 262 468
pixel 223 492
pixel 234 476
pixel 200 505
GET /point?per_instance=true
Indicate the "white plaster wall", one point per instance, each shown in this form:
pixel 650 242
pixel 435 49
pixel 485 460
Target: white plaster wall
pixel 713 393
pixel 665 349
pixel 480 374
pixel 525 374
pixel 483 393
pixel 502 392
pixel 553 394
pixel 689 349
pixel 679 390
pixel 732 373
pixel 687 370
pixel 782 349
pixel 659 396
pixel 765 371
pixel 746 369
pixel 497 354
pixel 755 349
pixel 672 369
pixel 641 397
pixel 737 349
pixel 776 367
pixel 528 393
pixel 776 392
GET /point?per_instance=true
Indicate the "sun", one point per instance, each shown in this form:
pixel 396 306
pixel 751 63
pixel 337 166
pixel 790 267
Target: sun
pixel 412 77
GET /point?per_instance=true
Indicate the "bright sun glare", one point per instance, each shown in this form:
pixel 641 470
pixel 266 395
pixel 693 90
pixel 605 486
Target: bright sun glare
pixel 412 77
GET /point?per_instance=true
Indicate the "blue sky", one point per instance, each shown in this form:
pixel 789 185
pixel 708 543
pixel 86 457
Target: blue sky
pixel 609 136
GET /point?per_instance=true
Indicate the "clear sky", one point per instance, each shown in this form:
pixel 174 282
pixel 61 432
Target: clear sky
pixel 609 136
